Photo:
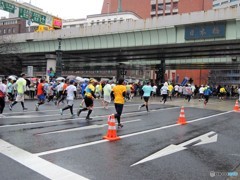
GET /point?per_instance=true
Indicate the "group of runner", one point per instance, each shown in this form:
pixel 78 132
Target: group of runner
pixel 67 89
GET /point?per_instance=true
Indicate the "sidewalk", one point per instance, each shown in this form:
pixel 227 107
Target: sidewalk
pixel 213 103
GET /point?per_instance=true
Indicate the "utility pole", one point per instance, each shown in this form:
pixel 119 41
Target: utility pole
pixel 119 5
pixel 59 59
pixel 156 8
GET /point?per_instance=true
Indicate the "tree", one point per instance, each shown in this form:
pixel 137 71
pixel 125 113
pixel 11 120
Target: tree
pixel 9 60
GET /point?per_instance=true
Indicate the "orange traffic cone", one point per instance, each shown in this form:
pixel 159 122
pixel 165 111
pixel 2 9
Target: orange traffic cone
pixel 112 131
pixel 236 107
pixel 182 119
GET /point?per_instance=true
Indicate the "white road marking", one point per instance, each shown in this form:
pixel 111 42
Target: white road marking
pixel 128 135
pixel 28 112
pixel 204 139
pixel 75 119
pixel 36 163
pixel 95 126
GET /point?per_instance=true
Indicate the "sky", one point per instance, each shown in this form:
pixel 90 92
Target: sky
pixel 67 9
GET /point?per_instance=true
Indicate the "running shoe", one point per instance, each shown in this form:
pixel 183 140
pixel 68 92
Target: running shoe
pixel 205 103
pixel 79 112
pixel 10 107
pixel 88 118
pixel 120 126
pixel 36 107
pixel 25 109
pixel 61 111
pixel 139 107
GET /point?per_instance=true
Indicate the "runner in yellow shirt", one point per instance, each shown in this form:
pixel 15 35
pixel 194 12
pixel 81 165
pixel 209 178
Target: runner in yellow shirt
pixel 170 91
pixel 119 92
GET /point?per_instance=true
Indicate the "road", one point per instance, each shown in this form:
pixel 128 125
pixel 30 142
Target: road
pixel 46 145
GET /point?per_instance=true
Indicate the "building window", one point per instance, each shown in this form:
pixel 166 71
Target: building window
pixel 160 7
pixel 0 31
pixel 225 2
pixel 9 31
pixel 168 6
pixel 175 5
pixel 215 5
pixel 153 7
pixel 4 31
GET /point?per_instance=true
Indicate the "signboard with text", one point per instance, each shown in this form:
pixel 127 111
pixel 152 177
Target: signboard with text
pixel 33 16
pixel 57 23
pixel 30 71
pixel 205 31
pixel 7 6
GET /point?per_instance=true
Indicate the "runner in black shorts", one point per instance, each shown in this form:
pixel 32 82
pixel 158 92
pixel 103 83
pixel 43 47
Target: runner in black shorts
pixel 88 99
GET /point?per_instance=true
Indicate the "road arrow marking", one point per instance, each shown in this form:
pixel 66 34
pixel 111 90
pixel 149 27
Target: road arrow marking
pixel 200 140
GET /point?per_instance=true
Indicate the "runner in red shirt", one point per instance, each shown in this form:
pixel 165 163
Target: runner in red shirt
pixel 40 94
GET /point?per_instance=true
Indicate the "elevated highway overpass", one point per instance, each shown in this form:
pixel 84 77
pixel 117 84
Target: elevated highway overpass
pixel 199 40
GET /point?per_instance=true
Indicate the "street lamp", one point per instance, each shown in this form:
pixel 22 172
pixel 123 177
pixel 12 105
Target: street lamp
pixel 59 59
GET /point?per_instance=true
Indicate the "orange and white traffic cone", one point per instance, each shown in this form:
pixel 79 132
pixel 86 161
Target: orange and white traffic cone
pixel 236 107
pixel 112 130
pixel 182 119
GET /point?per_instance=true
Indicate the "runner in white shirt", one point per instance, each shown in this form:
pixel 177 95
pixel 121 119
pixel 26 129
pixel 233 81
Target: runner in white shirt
pixel 71 94
pixel 201 89
pixel 154 92
pixel 180 91
pixel 3 92
pixel 176 88
pixel 106 95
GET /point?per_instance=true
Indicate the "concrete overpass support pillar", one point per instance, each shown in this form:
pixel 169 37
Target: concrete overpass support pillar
pixel 51 66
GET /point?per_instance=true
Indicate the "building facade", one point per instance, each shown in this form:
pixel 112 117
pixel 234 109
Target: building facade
pixel 12 26
pixel 97 19
pixel 154 8
pixel 141 7
pixel 217 4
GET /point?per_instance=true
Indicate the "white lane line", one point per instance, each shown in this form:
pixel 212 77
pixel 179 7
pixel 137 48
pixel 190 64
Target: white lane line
pixel 125 136
pixel 36 163
pixel 65 120
pixel 95 126
pixel 28 112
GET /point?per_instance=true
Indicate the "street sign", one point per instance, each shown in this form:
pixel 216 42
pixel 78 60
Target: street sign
pixel 33 16
pixel 30 71
pixel 7 6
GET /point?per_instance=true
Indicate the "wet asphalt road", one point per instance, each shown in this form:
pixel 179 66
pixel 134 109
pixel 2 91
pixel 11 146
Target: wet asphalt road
pixel 46 145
